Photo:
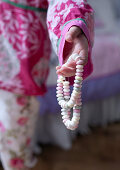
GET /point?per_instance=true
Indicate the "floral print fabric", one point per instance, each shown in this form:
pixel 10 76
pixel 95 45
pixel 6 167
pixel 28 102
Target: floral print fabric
pixel 25 47
pixel 17 124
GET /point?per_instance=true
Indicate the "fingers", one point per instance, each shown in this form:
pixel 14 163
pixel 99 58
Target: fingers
pixel 73 32
pixel 58 67
pixel 66 71
pixel 84 56
pixel 69 68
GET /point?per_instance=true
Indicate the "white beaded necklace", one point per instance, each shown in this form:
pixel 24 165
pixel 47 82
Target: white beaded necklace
pixel 63 95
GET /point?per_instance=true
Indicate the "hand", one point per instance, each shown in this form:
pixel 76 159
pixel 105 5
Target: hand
pixel 76 42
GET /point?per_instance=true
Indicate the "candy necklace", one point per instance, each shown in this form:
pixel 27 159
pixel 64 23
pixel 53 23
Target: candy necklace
pixel 63 95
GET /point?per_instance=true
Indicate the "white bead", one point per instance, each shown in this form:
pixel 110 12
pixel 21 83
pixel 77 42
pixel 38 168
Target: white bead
pixel 66 90
pixel 64 105
pixel 64 113
pixel 79 66
pixel 79 70
pixel 70 126
pixel 73 94
pixel 76 93
pixel 67 97
pixel 59 81
pixel 59 95
pixel 59 91
pixel 58 88
pixel 64 120
pixel 66 87
pixel 71 103
pixel 66 83
pixel 64 110
pixel 77 81
pixel 60 98
pixel 65 117
pixel 73 98
pixel 76 118
pixel 76 114
pixel 67 123
pixel 61 101
pixel 75 121
pixel 61 78
pixel 78 78
pixel 79 74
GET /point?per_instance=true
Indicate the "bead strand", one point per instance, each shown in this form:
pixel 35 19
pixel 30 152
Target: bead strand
pixel 66 90
pixel 63 95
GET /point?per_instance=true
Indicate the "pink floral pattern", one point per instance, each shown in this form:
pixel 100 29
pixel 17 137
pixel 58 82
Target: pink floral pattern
pixel 28 141
pixel 17 163
pixel 16 129
pixel 24 42
pixel 22 121
pixel 2 128
pixel 22 100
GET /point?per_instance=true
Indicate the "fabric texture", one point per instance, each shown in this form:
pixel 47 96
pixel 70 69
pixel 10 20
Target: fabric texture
pixel 25 48
pixel 18 117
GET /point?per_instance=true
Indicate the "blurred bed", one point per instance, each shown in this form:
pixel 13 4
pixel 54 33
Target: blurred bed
pixel 101 91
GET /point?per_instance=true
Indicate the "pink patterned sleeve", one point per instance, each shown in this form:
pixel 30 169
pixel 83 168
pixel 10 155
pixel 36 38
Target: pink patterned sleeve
pixel 62 14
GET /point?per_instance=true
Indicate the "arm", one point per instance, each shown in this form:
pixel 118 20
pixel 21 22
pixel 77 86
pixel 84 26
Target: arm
pixel 61 17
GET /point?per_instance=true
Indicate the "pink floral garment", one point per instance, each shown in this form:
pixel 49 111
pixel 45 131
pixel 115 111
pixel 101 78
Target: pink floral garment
pixel 24 44
pixel 17 125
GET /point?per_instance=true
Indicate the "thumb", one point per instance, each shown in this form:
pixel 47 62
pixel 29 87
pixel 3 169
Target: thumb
pixel 73 32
